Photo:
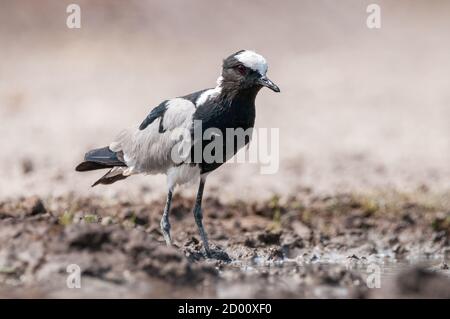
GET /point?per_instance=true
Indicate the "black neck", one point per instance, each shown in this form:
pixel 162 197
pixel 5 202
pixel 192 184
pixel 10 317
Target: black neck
pixel 231 94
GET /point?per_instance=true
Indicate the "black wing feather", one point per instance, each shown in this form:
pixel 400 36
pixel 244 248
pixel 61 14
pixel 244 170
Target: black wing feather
pixel 193 97
pixel 154 114
pixel 158 112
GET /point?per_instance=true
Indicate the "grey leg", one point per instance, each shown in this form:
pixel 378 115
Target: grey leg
pixel 199 216
pixel 165 225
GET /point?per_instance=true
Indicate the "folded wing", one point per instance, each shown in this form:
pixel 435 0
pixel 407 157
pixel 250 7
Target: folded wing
pixel 150 148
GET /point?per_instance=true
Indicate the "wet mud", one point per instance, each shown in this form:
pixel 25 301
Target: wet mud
pixel 304 246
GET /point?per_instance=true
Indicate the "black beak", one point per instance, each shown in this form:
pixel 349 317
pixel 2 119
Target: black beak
pixel 264 81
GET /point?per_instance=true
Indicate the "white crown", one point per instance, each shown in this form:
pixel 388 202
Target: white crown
pixel 253 61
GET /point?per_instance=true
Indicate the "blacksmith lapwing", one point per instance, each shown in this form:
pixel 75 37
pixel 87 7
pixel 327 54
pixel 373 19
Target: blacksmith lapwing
pixel 149 148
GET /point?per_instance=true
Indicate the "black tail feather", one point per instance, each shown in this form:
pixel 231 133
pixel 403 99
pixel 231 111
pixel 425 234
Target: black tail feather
pixel 90 166
pixel 102 158
pixel 106 179
pixel 99 158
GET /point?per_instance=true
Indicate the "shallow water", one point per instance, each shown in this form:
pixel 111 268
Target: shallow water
pixel 375 271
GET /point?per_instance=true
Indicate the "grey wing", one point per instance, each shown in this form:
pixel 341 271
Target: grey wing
pixel 149 148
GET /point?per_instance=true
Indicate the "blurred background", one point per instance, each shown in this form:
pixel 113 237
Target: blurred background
pixel 360 109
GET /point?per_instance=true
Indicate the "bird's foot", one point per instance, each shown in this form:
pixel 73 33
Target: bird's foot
pixel 193 248
pixel 207 251
pixel 218 254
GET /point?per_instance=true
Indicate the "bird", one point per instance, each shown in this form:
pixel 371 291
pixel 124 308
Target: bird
pixel 167 141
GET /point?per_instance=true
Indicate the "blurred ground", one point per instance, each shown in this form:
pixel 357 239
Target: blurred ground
pixel 364 152
pixel 359 109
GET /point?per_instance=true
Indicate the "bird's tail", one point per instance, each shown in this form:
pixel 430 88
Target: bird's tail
pixel 102 158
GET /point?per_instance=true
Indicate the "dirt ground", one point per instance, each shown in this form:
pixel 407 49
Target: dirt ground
pixel 306 247
pixel 364 176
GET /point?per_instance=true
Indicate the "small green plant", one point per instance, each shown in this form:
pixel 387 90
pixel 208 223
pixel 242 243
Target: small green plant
pixel 369 205
pixel 441 224
pixel 274 205
pixel 66 218
pixel 90 218
pixel 130 221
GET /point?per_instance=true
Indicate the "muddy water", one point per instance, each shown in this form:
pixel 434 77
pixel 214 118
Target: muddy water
pixel 375 272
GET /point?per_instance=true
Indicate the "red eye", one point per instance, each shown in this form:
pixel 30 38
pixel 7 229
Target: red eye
pixel 241 69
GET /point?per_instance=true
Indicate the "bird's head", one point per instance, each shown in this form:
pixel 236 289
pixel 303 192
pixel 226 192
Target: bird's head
pixel 246 69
